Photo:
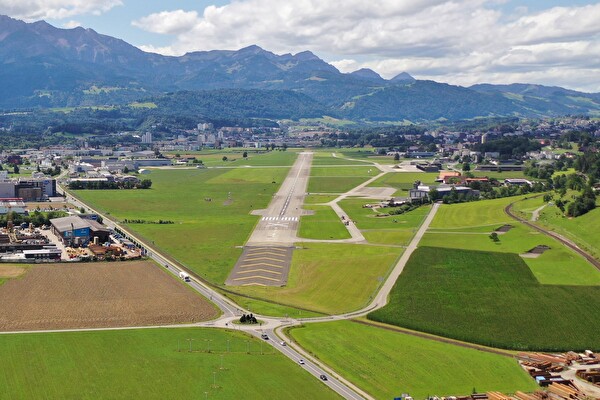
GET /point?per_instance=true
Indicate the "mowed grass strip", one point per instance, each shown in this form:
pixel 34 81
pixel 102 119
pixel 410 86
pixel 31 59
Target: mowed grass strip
pixel 473 214
pixel 334 184
pixel 343 171
pixel 331 278
pixel 214 158
pixel 491 299
pixel 404 180
pixel 146 364
pixel 386 364
pixel 205 233
pixel 327 158
pixel 323 224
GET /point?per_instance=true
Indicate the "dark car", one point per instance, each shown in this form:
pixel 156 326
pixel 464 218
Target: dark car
pixel 323 377
pixel 265 336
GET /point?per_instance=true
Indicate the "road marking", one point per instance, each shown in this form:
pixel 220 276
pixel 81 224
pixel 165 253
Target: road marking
pixel 256 277
pixel 265 254
pixel 264 258
pixel 261 264
pixel 259 270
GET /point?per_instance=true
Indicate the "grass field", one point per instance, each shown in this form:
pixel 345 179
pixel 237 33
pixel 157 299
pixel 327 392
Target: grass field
pixel 133 364
pixel 343 171
pixel 319 198
pixel 500 175
pixel 366 155
pixel 465 216
pixel 492 299
pixel 584 230
pixel 338 179
pixel 387 364
pixel 324 224
pixel 331 278
pixel 557 266
pixel 404 181
pixel 214 158
pixel 205 233
pixel 334 184
pixel 326 158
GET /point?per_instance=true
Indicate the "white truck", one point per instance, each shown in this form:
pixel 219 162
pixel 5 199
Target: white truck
pixel 184 276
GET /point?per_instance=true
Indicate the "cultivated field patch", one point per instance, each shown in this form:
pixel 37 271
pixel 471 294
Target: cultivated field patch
pixel 491 299
pixel 98 295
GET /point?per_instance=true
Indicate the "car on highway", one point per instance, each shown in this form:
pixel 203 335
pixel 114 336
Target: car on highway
pixel 323 377
pixel 265 336
pixel 283 344
pixel 301 361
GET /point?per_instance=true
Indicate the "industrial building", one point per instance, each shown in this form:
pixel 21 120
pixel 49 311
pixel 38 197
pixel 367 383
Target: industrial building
pixel 75 231
pixel 12 205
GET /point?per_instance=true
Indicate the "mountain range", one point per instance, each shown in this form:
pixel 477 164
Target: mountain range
pixel 44 66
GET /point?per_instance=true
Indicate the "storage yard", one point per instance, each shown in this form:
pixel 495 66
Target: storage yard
pixel 98 295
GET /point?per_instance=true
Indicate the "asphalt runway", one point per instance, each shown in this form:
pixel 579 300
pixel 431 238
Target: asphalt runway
pixel 268 252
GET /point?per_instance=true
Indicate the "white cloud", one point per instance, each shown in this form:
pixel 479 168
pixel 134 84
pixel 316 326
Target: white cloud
pixel 31 10
pixel 461 42
pixel 71 24
pixel 168 22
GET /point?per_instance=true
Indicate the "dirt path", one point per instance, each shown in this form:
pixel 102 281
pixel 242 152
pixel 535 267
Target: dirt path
pixel 536 213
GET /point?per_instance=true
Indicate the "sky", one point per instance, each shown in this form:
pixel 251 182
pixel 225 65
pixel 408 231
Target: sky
pixel 462 42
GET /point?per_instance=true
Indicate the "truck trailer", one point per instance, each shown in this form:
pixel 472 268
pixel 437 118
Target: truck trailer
pixel 184 276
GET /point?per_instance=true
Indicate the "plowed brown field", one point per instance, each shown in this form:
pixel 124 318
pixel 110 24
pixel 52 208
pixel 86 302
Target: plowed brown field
pixel 98 295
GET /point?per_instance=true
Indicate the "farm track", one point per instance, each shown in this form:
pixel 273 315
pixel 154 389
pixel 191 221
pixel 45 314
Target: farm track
pixel 561 239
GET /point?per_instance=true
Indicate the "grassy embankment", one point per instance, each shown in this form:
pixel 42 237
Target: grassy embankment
pixel 468 225
pixel 387 364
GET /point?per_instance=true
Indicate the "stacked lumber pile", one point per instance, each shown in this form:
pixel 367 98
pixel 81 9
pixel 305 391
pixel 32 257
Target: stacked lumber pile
pixel 562 391
pixel 592 375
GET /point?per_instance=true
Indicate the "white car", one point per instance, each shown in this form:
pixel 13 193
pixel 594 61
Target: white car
pixel 301 361
pixel 283 344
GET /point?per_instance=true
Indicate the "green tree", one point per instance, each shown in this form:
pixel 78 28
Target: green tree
pixel 397 157
pixel 16 169
pixel 245 155
pixel 224 158
pixel 466 166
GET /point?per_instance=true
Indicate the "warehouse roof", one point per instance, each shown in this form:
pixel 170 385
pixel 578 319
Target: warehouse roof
pixel 67 223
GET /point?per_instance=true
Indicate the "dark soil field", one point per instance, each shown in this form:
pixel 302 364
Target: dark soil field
pixel 98 295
